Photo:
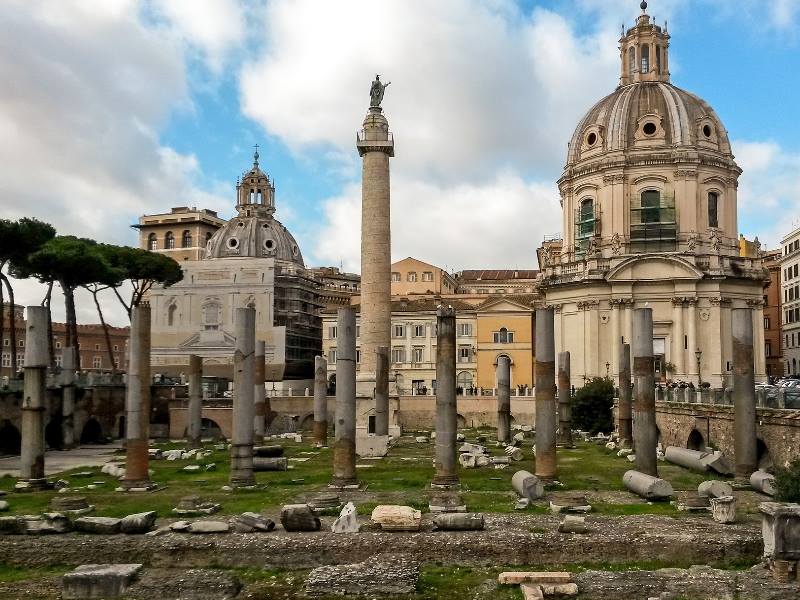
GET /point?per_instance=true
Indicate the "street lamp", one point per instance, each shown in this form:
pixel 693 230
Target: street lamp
pixel 608 369
pixel 698 354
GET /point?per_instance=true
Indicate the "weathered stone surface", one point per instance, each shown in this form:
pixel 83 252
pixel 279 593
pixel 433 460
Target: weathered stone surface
pixel 690 459
pixel 209 527
pixel 714 489
pixel 191 584
pixel 531 591
pixel 535 577
pixel 374 578
pixel 472 449
pixel 347 522
pixel 723 509
pixel 99 581
pixel 397 518
pixel 514 453
pixel 325 501
pixel 270 464
pixel 180 526
pixel 63 503
pixel 459 521
pixel 780 528
pixel 3 506
pixel 468 461
pixel 12 525
pixel 646 486
pixel 569 503
pixel 48 524
pixel 573 524
pixel 527 485
pixel 193 506
pixel 299 517
pixel 268 451
pixel 249 522
pixel 104 525
pixel 716 461
pixel 138 523
pixel 446 502
pixel 763 482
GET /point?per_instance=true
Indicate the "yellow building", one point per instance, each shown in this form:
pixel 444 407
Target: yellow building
pixel 505 328
pixel 181 234
pixel 412 276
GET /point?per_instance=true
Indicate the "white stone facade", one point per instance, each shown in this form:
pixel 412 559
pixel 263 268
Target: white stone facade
pixel 790 302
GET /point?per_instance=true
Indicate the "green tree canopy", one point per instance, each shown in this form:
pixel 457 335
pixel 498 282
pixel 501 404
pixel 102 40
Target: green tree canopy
pixel 142 269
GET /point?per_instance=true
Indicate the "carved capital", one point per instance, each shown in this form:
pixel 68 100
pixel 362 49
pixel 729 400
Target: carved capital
pixel 755 303
pixel 611 179
pixel 720 301
pixel 685 174
pixel 588 304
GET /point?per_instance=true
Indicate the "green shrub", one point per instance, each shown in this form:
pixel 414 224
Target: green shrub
pixel 787 482
pixel 592 406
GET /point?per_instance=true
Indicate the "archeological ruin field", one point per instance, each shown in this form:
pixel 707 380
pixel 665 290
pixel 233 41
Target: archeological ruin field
pixel 625 533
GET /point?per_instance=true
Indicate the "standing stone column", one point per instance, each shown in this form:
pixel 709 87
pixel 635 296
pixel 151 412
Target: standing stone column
pixel 503 374
pixel 137 402
pixel 375 146
pixel 644 408
pixel 564 401
pixel 195 413
pixel 33 402
pixel 68 396
pixel 545 385
pixel 243 405
pixel 382 391
pixel 624 418
pixel 744 394
pixel 259 393
pixel 344 447
pixel 446 408
pixel 320 401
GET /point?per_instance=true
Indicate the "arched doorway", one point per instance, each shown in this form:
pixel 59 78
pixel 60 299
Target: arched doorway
pixel 696 441
pixel 210 429
pixel 54 433
pixel 10 439
pixel 92 433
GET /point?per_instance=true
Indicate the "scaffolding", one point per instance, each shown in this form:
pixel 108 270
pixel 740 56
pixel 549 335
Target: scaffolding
pixel 653 223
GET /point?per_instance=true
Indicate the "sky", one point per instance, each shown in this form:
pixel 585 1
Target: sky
pixel 111 110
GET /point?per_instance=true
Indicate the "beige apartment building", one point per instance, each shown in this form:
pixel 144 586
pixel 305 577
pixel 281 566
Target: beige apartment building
pixel 182 233
pixel 412 276
pixel 790 301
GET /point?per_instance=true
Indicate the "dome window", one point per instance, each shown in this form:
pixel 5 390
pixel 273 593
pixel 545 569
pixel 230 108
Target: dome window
pixel 707 131
pixel 713 200
pixel 233 243
pixel 295 250
pixel 592 139
pixel 649 128
pixel 269 244
pixel 240 224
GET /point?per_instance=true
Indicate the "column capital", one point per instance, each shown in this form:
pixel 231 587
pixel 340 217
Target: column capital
pixel 720 301
pixel 588 304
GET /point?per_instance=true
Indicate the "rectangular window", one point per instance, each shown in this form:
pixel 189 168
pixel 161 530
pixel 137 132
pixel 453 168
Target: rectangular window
pixel 427 276
pixel 395 276
pixel 332 333
pixel 412 276
pixel 59 360
pixel 464 353
pixel 767 349
pixel 6 342
pixel 465 329
pixel 116 348
pixel 21 343
pixel 399 331
pixel 712 209
pixel 766 322
pixel 398 355
pixel 686 342
pixel 20 361
pixel 794 271
pixel 6 362
pixel 504 336
pixel 97 362
pixel 97 346
pixel 332 356
pixel 358 331
pixel 418 354
pixel 419 331
pixel 653 227
pixel 358 356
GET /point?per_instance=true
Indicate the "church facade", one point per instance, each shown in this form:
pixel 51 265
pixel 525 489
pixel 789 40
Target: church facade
pixel 649 200
pixel 250 260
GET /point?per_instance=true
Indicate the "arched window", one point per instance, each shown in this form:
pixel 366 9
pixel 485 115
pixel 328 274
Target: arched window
pixel 645 59
pixel 259 197
pixel 186 239
pixel 713 199
pixel 504 336
pixel 169 241
pixel 152 242
pixel 632 60
pixel 658 59
pixel 252 196
pixel 464 380
pixel 171 310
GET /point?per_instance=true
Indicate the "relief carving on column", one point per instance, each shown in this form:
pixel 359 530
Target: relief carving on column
pixel 720 301
pixel 704 314
pixel 691 241
pixel 616 244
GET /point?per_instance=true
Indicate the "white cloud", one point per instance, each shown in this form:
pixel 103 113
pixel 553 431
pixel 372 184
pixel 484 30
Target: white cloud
pixel 90 86
pixel 498 224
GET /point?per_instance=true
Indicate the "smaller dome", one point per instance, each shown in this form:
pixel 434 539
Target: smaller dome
pixel 259 236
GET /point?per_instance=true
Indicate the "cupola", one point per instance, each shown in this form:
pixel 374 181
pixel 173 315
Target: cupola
pixel 644 50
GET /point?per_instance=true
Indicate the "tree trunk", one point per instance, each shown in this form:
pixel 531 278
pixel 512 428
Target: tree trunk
pixel 105 331
pixel 121 301
pixel 72 322
pixel 50 347
pixel 12 319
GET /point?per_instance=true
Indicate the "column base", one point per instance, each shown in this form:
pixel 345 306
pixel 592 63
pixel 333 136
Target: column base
pixel 136 485
pixel 344 484
pixel 446 483
pixel 32 485
pixel 242 481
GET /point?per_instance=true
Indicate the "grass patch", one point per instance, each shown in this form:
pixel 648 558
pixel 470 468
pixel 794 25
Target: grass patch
pixel 11 574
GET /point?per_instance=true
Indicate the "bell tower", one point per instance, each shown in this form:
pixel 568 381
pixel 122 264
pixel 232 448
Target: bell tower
pixel 644 51
pixel 255 194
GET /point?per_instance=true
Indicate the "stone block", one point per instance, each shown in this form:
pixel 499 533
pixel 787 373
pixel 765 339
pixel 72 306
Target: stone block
pixel 780 529
pixel 12 525
pixel 299 517
pixel 209 527
pixel 531 592
pixel 714 489
pixel 347 522
pixel 48 524
pixel 375 578
pixel 476 449
pixel 459 522
pixel 467 461
pixel 570 503
pixel 249 522
pixel 535 577
pixel 444 502
pixel 103 525
pixel 573 524
pixel 397 518
pixel 646 486
pixel 3 506
pixel 368 446
pixel 723 509
pixel 527 485
pixel 270 464
pixel 764 482
pixel 138 523
pixel 99 581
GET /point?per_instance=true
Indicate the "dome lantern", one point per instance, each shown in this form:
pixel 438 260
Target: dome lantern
pixel 644 51
pixel 255 194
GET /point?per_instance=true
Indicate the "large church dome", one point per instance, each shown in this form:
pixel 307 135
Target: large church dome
pixel 648 114
pixel 255 232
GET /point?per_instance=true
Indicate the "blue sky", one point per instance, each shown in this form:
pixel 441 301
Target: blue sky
pixel 130 107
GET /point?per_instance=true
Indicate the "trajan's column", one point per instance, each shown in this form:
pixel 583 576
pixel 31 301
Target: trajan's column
pixel 375 146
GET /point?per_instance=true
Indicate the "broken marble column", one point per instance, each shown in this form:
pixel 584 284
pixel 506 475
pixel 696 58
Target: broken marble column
pixel 259 392
pixel 243 406
pixel 446 408
pixel 714 489
pixel 33 401
pixel 527 485
pixel 564 401
pixel 68 366
pixel 624 415
pixel 459 521
pixel 137 402
pixel 687 458
pixel 764 482
pixel 545 395
pixel 261 464
pixel 320 401
pixel 744 400
pixel 723 509
pixel 344 448
pixel 647 486
pixel 382 391
pixel 299 517
pixel 195 412
pixel 503 375
pixel 644 408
